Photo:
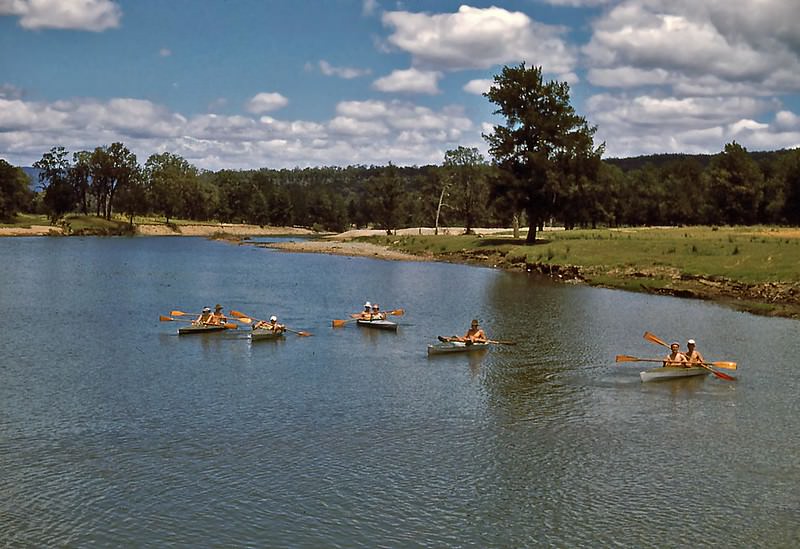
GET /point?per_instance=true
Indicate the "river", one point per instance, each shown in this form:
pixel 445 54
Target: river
pixel 115 431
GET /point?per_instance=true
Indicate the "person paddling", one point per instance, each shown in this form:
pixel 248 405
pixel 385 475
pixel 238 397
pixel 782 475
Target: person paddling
pixel 692 355
pixel 475 334
pixel 376 312
pixel 272 325
pixel 676 358
pixel 366 314
pixel 205 316
pixel 218 318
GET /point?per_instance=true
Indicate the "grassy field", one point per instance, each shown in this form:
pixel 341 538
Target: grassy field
pixel 746 254
pixel 757 266
pixel 74 224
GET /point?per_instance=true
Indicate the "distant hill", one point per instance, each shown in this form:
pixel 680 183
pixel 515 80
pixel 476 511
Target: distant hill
pixel 33 176
pixel 659 160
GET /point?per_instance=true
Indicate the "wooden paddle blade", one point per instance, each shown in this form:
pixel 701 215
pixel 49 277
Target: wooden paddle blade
pixel 244 320
pixel 723 364
pixel 716 373
pixel 238 314
pixel 231 326
pixel 181 313
pixel 626 358
pixel 338 323
pixel 163 318
pixel 655 339
pixel 397 312
pixel 304 334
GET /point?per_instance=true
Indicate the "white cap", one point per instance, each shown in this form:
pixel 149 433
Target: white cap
pixel 690 342
pixel 367 304
pixel 273 318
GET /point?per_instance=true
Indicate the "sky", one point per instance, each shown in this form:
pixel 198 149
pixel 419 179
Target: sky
pixel 249 84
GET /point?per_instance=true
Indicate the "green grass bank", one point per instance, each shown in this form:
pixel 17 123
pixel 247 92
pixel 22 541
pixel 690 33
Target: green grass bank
pixel 756 269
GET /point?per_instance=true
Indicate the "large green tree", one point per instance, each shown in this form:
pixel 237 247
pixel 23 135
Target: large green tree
pixel 466 171
pixel 14 192
pixel 59 196
pixel 737 185
pixel 173 185
pixel 543 145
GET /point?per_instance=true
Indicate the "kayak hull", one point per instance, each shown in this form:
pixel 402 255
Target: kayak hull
pixel 455 347
pixel 200 329
pixel 378 324
pixel 671 372
pixel 265 335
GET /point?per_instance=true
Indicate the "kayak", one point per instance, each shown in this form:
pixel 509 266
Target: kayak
pixel 455 347
pixel 201 328
pixel 671 372
pixel 379 324
pixel 260 334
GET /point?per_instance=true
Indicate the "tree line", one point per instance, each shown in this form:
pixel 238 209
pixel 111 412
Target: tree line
pixel 544 168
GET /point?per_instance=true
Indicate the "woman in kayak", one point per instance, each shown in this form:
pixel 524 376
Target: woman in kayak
pixel 376 312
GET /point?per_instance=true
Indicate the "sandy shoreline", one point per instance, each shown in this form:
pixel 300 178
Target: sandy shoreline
pixel 161 229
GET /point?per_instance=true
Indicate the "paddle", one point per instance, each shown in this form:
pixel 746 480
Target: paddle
pixel 181 313
pixel 728 365
pixel 337 323
pixel 628 358
pixel 501 341
pixel 495 341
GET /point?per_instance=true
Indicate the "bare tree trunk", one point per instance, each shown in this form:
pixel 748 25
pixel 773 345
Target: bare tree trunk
pixel 515 226
pixel 439 209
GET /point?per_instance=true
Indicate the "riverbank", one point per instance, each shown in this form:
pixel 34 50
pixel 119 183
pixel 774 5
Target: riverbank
pixel 79 225
pixel 753 269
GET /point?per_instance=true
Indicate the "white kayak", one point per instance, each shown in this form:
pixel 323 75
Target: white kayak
pixel 671 372
pixel 455 347
pixel 261 334
pixel 379 324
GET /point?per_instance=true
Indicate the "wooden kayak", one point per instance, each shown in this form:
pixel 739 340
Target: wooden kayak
pixel 260 334
pixel 379 324
pixel 196 328
pixel 671 372
pixel 455 347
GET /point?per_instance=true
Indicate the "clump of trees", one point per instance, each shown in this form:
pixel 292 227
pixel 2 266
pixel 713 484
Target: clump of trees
pixel 544 168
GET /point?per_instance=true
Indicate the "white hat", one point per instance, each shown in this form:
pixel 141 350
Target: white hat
pixel 690 342
pixel 273 318
pixel 367 304
pixel 206 310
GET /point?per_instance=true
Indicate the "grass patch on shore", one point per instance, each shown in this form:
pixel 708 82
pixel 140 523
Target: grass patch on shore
pixel 745 254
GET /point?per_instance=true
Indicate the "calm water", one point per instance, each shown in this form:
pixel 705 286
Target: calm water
pixel 115 431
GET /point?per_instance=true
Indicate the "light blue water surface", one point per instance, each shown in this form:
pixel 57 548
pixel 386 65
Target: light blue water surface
pixel 114 431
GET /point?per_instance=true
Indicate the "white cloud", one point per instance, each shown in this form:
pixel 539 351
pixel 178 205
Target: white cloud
pixel 478 38
pixel 681 41
pixel 361 132
pixel 409 81
pixel 478 87
pixel 265 102
pixel 88 15
pixel 342 72
pixel 647 124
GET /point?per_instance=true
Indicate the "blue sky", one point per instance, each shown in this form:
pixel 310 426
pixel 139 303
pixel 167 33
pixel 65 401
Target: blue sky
pixel 280 84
